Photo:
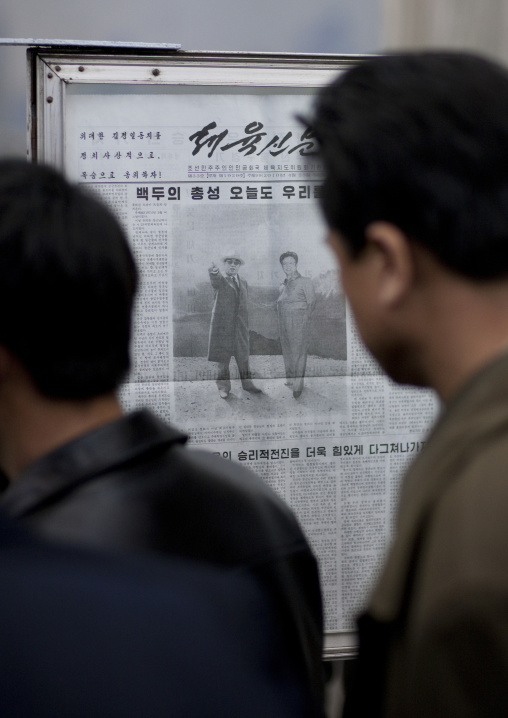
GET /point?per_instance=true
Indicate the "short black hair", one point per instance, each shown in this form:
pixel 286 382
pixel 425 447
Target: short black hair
pixel 67 283
pixel 288 254
pixel 420 140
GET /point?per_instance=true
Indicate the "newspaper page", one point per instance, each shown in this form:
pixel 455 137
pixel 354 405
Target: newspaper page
pixel 214 186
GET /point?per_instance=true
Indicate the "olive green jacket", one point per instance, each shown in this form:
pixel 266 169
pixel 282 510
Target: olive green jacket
pixel 434 638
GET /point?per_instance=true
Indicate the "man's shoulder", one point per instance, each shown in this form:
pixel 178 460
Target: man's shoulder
pixel 455 528
pixel 106 450
pixel 454 496
pixel 231 489
pixel 154 492
pixel 471 510
pixel 205 506
pixel 306 281
pixel 215 472
pixel 138 444
pixel 469 438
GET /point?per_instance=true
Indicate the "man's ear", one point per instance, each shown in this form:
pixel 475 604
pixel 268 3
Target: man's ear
pixel 390 250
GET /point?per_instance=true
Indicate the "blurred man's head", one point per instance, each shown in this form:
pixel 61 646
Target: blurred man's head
pixel 420 140
pixel 67 284
pixel 416 197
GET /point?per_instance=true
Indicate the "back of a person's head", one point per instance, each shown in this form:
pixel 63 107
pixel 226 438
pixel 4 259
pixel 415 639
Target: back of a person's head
pixel 420 140
pixel 67 283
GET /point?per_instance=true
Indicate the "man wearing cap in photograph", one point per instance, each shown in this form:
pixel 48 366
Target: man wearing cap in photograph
pixel 294 306
pixel 229 327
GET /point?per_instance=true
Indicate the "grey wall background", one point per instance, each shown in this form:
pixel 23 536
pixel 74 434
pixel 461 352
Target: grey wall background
pixel 480 25
pixel 334 26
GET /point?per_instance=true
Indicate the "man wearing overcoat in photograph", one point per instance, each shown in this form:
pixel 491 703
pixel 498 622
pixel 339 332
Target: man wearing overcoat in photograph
pixel 415 149
pixel 229 326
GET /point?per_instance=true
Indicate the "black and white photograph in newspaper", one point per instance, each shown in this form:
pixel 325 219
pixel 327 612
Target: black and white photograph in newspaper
pixel 259 320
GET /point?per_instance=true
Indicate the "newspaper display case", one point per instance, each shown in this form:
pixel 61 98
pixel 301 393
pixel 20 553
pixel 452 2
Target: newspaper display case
pixel 201 156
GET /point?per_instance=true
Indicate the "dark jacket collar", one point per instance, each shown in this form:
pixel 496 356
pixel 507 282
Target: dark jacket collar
pixel 91 454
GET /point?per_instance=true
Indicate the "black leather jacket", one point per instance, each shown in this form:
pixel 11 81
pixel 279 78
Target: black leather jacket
pixel 132 484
